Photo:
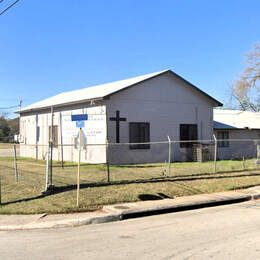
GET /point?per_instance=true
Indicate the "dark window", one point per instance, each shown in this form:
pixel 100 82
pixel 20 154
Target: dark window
pixel 139 133
pixel 188 132
pixel 222 137
pixel 54 135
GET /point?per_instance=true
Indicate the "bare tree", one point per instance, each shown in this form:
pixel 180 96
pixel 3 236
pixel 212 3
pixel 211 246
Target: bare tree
pixel 245 90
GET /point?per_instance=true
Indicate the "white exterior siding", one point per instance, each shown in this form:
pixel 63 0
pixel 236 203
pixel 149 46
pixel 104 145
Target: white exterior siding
pixel 165 102
pixel 67 132
pixel 28 136
pixel 239 149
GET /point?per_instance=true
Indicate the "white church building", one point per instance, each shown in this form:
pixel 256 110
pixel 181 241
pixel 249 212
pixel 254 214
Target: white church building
pixel 143 109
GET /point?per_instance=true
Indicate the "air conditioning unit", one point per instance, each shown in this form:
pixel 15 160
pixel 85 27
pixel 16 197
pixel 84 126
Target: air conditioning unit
pixel 203 152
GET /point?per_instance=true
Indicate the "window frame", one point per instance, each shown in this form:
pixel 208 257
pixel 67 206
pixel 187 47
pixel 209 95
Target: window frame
pixel 55 135
pixel 188 137
pixel 139 139
pixel 224 138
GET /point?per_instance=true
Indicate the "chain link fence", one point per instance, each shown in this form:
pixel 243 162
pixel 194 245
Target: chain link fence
pixel 29 171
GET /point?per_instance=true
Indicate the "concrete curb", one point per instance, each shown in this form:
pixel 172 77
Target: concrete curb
pixel 123 211
pixel 62 223
pixel 184 207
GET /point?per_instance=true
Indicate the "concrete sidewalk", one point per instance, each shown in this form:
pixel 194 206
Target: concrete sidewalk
pixel 126 210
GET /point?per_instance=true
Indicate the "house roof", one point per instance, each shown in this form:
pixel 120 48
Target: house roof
pixel 101 91
pixel 236 119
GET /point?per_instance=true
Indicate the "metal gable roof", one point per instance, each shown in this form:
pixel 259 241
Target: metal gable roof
pixel 101 91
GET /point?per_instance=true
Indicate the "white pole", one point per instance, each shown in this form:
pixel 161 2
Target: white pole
pixel 169 156
pixel 215 153
pixel 78 177
pixel 107 148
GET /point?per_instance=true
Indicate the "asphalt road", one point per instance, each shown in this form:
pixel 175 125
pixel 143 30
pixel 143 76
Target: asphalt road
pixel 225 232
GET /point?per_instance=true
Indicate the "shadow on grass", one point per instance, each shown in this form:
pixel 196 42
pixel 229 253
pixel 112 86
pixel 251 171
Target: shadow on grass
pixel 23 200
pixel 174 179
pixel 137 166
pixel 141 166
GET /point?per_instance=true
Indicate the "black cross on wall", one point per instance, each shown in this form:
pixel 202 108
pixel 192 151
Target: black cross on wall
pixel 117 119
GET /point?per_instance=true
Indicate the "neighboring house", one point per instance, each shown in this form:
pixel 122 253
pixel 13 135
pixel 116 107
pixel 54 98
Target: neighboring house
pixel 243 130
pixel 142 109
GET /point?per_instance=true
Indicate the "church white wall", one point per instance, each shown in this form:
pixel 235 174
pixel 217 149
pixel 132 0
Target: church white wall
pixel 165 102
pixel 94 133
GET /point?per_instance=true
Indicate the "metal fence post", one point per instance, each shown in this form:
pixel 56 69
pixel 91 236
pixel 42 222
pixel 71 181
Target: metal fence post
pixel 0 191
pixel 215 153
pixel 51 152
pixel 107 162
pixel 15 164
pixel 47 169
pixel 61 140
pixel 169 156
pixel 257 155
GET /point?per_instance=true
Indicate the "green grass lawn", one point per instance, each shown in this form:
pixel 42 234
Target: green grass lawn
pixel 128 183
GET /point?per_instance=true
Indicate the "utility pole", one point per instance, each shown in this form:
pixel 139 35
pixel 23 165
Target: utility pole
pixel 19 124
pixel 215 153
pixel 20 104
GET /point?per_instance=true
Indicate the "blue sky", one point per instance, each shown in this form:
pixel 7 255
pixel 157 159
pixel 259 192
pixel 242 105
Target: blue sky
pixel 47 47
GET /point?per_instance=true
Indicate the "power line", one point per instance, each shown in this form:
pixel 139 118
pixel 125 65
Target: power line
pixel 10 107
pixel 4 108
pixel 8 99
pixel 9 6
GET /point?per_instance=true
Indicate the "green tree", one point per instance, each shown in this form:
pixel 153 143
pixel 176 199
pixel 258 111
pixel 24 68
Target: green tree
pixel 4 128
pixel 14 125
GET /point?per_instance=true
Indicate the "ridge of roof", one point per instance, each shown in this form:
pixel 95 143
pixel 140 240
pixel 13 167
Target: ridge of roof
pixel 93 92
pixel 101 91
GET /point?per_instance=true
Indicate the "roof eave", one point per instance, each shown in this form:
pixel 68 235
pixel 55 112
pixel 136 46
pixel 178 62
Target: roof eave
pixel 219 104
pixel 236 128
pixel 58 105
